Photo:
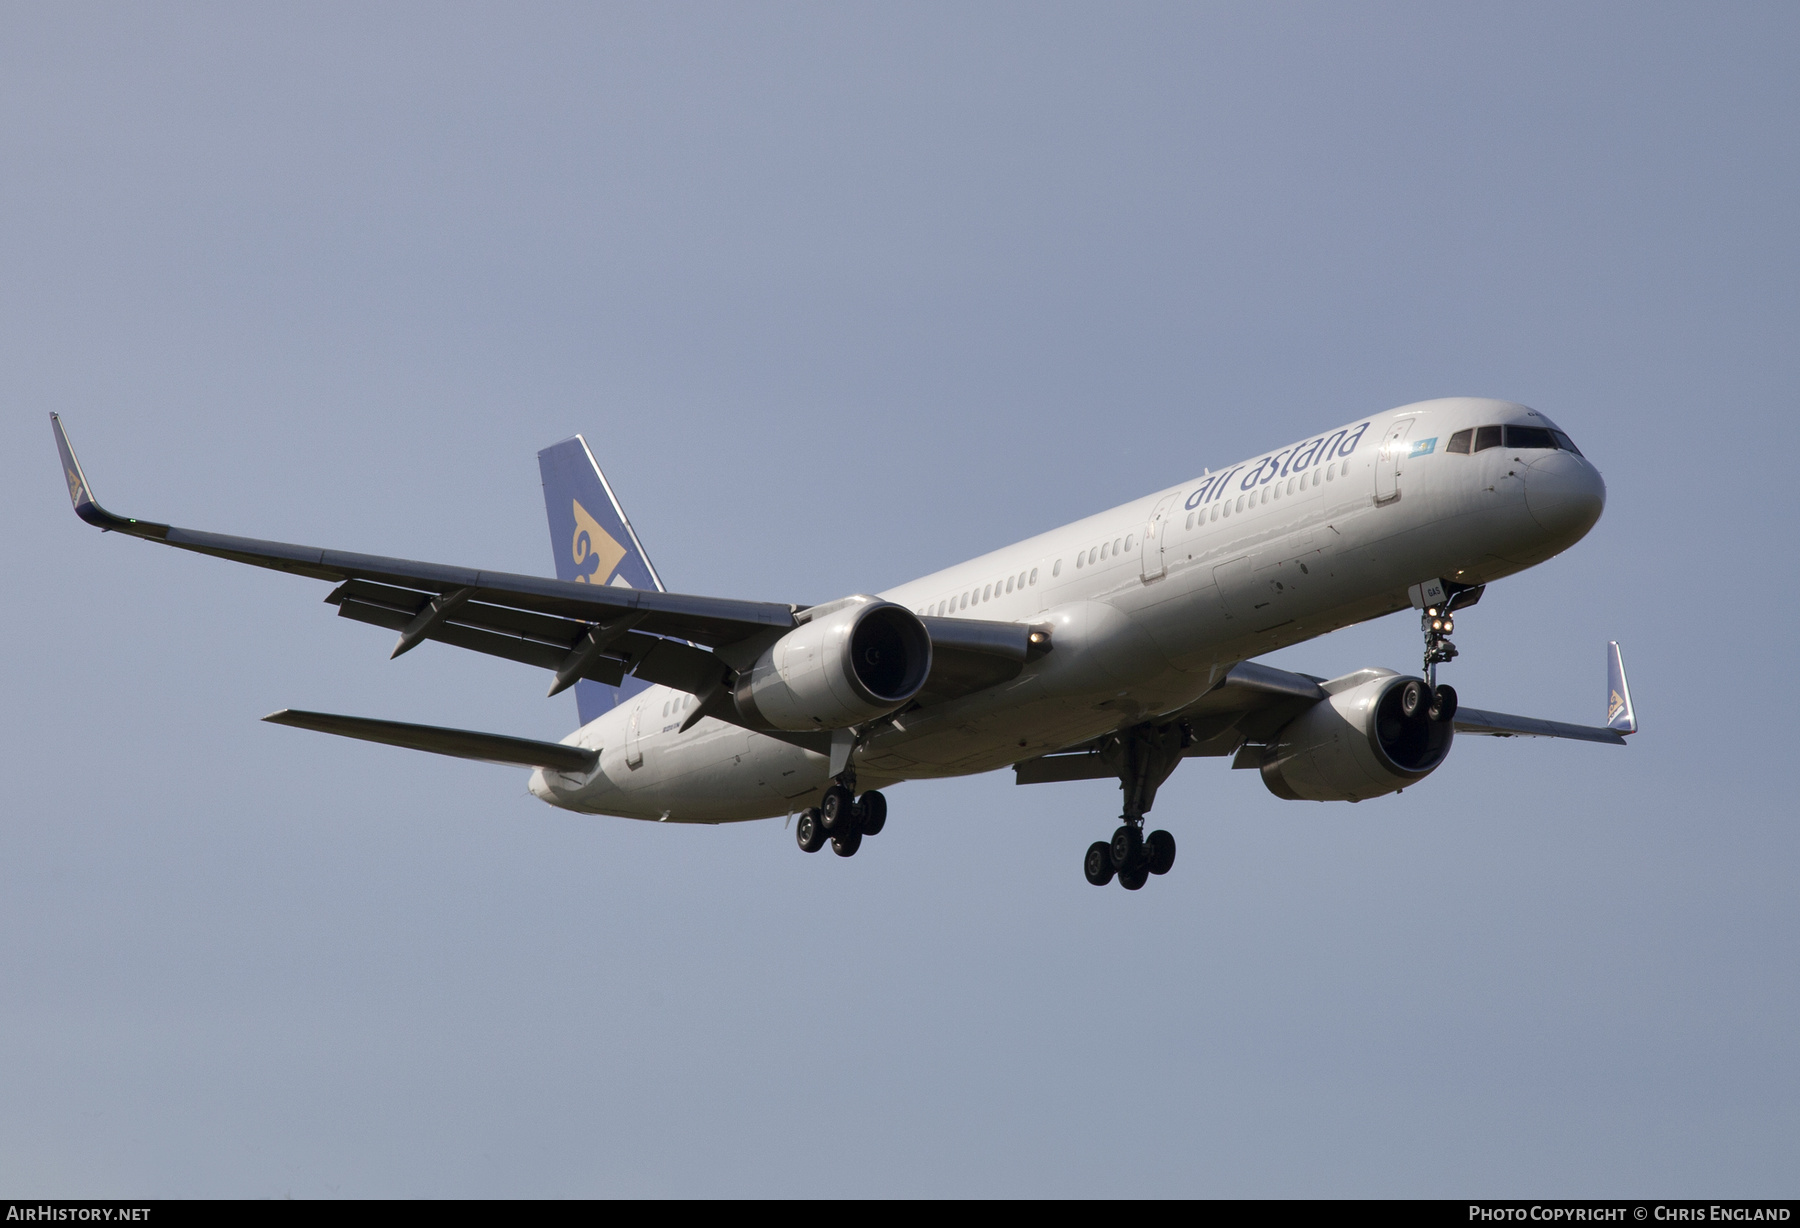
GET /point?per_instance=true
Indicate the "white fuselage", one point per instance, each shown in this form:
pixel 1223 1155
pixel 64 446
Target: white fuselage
pixel 1148 605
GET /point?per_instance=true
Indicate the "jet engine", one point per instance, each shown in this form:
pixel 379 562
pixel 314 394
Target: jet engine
pixel 842 667
pixel 1375 732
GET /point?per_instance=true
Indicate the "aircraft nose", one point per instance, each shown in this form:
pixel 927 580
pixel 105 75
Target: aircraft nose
pixel 1565 494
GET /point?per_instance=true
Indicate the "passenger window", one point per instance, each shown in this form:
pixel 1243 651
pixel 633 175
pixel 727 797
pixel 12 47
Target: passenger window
pixel 1009 584
pixel 1329 472
pixel 1055 570
pixel 1215 512
pixel 987 592
pixel 1315 477
pixel 1128 543
pixel 1459 442
pixel 1240 503
pixel 1524 437
pixel 1487 437
pixel 1034 571
pixel 1080 559
pixel 1095 555
pixel 1190 522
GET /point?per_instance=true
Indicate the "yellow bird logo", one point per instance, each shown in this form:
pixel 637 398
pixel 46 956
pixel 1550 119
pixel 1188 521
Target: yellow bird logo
pixel 1614 705
pixel 76 487
pixel 596 553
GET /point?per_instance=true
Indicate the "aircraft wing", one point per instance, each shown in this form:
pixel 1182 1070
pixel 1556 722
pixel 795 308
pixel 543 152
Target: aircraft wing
pixel 1505 725
pixel 575 630
pixel 1248 707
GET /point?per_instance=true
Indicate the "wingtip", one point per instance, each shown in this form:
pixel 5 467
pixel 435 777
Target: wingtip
pixel 1621 717
pixel 81 495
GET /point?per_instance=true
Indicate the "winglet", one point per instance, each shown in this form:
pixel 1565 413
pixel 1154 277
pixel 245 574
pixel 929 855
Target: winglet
pixel 82 495
pixel 1620 716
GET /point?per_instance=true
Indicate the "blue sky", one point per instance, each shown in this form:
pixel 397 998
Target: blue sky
pixel 840 294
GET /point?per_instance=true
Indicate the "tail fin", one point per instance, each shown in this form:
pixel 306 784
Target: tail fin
pixel 1620 715
pixel 594 543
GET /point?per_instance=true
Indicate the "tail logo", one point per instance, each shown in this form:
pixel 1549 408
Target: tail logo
pixel 1614 705
pixel 595 551
pixel 77 490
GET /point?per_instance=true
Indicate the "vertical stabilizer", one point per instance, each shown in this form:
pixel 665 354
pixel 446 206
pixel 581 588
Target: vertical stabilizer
pixel 594 543
pixel 1620 715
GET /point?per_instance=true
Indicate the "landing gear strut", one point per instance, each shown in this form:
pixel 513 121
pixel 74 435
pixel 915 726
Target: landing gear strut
pixel 1145 757
pixel 1437 623
pixel 843 819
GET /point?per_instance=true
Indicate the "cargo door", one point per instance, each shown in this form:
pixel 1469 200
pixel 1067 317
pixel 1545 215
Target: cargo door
pixel 1233 581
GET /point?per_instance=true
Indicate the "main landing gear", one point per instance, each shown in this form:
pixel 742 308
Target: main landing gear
pixel 842 818
pixel 1131 855
pixel 1144 756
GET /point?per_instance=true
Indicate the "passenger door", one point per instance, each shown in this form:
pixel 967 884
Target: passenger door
pixel 1389 460
pixel 634 751
pixel 1150 554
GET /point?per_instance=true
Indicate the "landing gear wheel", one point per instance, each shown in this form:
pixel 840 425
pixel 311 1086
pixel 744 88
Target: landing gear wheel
pixel 809 833
pixel 1159 852
pixel 874 812
pixel 1098 865
pixel 1134 877
pixel 846 843
pixel 1414 699
pixel 1127 848
pixel 1443 705
pixel 836 810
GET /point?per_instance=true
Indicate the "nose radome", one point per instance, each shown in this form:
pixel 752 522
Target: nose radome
pixel 1565 494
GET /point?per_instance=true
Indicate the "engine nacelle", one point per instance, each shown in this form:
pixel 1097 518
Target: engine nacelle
pixel 1357 742
pixel 842 667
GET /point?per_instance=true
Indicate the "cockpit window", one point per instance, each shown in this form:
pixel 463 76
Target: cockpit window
pixel 1520 437
pixel 1524 437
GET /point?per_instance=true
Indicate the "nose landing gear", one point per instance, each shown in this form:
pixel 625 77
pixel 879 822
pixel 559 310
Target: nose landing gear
pixel 1436 623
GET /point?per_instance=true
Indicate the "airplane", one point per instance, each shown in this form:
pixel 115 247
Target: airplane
pixel 1111 648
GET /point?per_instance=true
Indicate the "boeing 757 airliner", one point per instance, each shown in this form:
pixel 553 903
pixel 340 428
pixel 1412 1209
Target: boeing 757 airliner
pixel 1111 648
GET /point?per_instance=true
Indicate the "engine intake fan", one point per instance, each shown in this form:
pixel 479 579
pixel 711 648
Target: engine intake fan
pixel 1375 733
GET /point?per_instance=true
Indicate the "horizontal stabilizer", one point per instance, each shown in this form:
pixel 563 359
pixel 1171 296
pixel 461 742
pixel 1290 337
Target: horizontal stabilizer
pixel 460 743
